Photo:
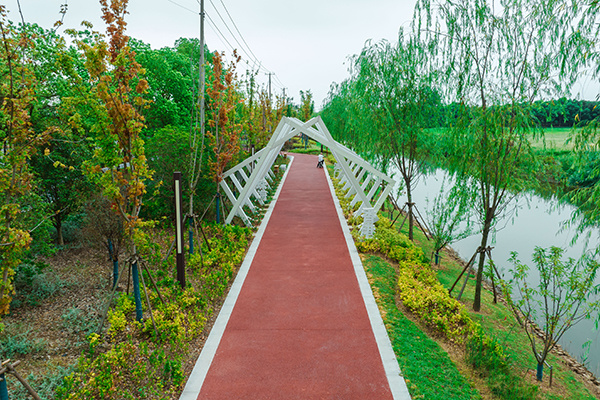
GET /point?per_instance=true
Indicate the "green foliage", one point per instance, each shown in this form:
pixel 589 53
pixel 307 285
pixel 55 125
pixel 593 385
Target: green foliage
pixel 422 294
pixel 76 320
pixel 168 150
pixel 19 140
pixel 35 281
pixel 497 62
pixel 115 94
pixel 171 73
pixel 448 210
pixel 137 372
pixel 487 356
pixel 385 106
pixel 44 386
pixel 18 343
pixel 61 179
pixel 566 294
pixel 307 105
pixel 420 291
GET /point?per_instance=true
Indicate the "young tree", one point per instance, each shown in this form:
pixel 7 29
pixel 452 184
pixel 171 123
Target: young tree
pixel 115 99
pixel 19 141
pixel 498 62
pixel 565 295
pixel 225 128
pixel 60 178
pixel 586 54
pixel 169 73
pixel 307 105
pixel 448 210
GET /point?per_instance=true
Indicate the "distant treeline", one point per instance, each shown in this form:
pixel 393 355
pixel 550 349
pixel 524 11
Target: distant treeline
pixel 558 113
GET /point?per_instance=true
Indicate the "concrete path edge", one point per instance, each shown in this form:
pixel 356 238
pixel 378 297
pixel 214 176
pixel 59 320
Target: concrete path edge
pixel 390 363
pixel 196 378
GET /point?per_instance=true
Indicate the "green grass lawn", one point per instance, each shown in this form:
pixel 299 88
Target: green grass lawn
pixel 426 367
pixel 554 138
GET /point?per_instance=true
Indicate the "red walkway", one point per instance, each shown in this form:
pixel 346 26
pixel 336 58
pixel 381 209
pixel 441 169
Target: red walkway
pixel 299 328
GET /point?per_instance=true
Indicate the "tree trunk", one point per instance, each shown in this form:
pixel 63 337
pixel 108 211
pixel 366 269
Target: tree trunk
pixel 540 371
pixel 59 234
pixel 217 206
pixel 410 212
pixel 484 239
pixel 136 291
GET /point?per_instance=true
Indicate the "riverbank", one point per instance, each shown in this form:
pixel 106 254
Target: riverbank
pixel 571 379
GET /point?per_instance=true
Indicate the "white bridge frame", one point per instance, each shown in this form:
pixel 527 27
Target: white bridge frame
pixel 251 177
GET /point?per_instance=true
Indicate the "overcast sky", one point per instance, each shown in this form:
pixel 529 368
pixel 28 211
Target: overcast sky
pixel 305 43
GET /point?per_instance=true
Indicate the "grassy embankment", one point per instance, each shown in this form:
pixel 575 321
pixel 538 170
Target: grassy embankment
pixel 497 321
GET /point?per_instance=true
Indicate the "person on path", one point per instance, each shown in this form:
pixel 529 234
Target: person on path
pixel 321 159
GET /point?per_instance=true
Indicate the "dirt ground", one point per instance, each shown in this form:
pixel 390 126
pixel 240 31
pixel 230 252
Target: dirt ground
pixel 75 287
pixel 51 321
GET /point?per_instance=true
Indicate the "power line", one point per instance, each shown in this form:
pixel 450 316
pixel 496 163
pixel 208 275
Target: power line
pixel 218 31
pixel 237 30
pixel 184 7
pixel 245 48
pixel 232 34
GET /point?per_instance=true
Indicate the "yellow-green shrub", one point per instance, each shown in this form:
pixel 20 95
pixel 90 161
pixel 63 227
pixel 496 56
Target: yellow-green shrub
pixel 425 297
pixel 419 288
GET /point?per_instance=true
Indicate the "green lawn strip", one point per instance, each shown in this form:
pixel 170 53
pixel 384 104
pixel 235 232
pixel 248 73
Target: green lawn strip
pixel 498 321
pixel 429 372
pixel 554 138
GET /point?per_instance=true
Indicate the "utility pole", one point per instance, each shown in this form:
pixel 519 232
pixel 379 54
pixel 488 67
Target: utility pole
pixel 202 78
pixel 284 104
pixel 270 73
pixel 195 170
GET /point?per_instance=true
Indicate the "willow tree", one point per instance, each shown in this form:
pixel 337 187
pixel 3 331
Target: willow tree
pixel 498 61
pixel 394 97
pixel 586 140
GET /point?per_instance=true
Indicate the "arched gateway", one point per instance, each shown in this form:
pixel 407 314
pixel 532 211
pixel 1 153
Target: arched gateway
pixel 366 185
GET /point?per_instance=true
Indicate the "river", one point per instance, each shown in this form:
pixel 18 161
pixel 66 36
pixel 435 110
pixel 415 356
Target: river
pixel 536 222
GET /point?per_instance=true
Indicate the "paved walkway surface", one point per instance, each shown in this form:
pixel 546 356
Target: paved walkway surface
pixel 299 328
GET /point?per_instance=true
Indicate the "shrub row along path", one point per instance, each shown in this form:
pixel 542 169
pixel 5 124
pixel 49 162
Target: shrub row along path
pixel 299 328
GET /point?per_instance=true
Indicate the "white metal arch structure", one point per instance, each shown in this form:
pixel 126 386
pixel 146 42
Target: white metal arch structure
pixel 366 184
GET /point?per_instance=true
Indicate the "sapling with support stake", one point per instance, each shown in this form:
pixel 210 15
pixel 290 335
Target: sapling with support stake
pixel 565 295
pixel 119 165
pixel 448 210
pixel 224 132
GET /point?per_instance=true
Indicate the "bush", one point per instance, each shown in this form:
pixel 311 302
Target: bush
pixel 44 386
pixel 77 320
pixel 34 282
pixel 19 343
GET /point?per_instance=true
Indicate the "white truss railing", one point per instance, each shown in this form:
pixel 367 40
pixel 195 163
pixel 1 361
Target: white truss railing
pixel 251 177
